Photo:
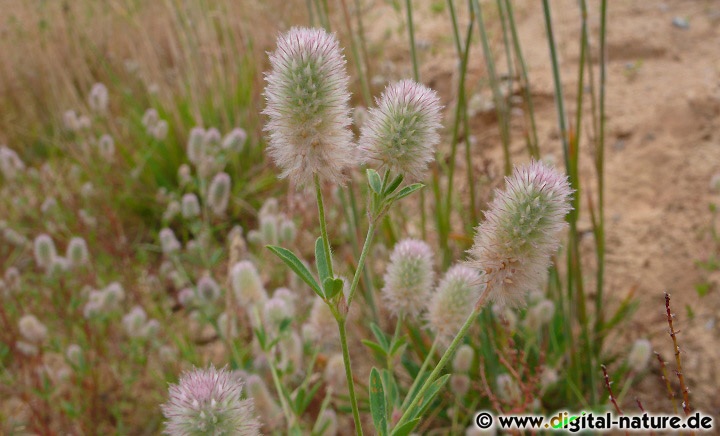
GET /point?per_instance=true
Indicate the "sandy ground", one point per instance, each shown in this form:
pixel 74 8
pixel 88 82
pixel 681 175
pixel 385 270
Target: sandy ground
pixel 662 148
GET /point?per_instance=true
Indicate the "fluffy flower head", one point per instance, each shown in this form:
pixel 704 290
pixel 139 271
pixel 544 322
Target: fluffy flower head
pixel 409 277
pixel 401 132
pixel 307 103
pixel 207 401
pixel 453 300
pixel 521 231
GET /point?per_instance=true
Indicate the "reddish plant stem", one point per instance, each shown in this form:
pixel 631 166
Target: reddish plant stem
pixel 678 361
pixel 609 389
pixel 664 377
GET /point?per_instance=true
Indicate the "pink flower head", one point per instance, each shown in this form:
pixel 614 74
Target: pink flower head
pixel 207 401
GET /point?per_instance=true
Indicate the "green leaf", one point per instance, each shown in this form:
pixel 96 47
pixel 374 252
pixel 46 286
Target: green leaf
pixel 393 185
pixel 397 345
pixel 430 395
pixel 391 389
pixel 298 267
pixel 380 336
pixel 374 181
pixel 378 409
pixel 404 192
pixel 407 428
pixel 332 287
pixel 321 260
pixel 375 347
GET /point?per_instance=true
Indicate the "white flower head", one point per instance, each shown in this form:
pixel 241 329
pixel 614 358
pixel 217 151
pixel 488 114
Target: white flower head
pixel 307 105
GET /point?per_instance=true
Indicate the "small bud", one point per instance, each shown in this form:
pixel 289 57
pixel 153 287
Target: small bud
pixel 269 229
pixel 106 147
pixel 196 145
pixel 508 388
pixel 150 118
pixel 235 140
pixel 134 322
pixel 168 242
pixel 409 277
pixel 539 315
pixel 264 402
pixel 74 354
pixel 212 138
pixel 77 252
pixel 334 374
pixel 45 252
pixel 98 99
pixel 208 290
pixel 453 301
pixel 32 329
pixel 219 193
pixel 463 359
pixel 459 384
pixel 276 311
pixel 327 423
pixel 287 230
pixel 190 206
pixel 160 130
pixel 247 285
pixel 639 355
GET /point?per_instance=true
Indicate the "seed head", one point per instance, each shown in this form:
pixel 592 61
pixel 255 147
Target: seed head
pixel 521 231
pixel 307 105
pixel 401 132
pixel 409 277
pixel 207 401
pixel 219 193
pixel 454 300
pixel 77 252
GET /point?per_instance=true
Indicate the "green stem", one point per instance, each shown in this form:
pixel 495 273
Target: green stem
pixel 421 372
pixel 441 365
pixel 361 261
pixel 500 106
pixel 348 375
pixel 533 140
pixel 283 401
pixel 323 225
pixel 411 34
